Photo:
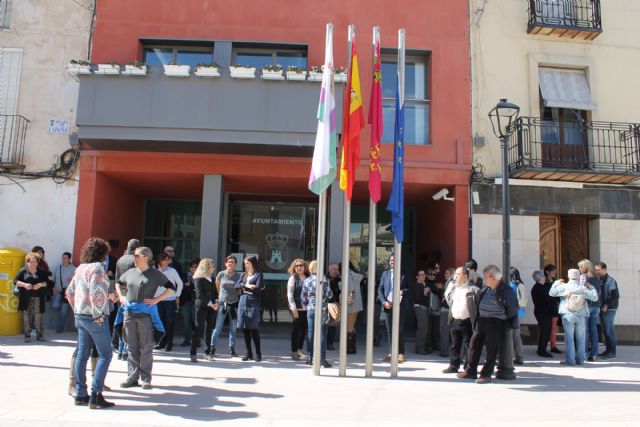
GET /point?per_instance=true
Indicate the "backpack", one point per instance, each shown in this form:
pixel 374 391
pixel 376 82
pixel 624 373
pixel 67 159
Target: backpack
pixel 521 292
pixel 575 303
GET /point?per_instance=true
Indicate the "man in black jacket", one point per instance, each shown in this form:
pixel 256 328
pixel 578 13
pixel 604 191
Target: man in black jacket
pixel 544 308
pixel 497 311
pixel 610 300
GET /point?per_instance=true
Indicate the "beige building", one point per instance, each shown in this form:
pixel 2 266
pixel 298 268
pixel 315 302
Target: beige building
pixel 37 121
pixel 574 158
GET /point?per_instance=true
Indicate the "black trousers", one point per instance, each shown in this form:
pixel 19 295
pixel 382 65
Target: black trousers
pixel 204 317
pixel 299 331
pixel 489 332
pixel 248 335
pixel 544 332
pixel 167 312
pixel 461 332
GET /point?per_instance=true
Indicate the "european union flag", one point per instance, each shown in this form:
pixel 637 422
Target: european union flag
pixel 396 200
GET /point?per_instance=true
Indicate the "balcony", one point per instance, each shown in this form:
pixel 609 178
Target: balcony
pixel 13 133
pixel 192 114
pixel 575 19
pixel 587 152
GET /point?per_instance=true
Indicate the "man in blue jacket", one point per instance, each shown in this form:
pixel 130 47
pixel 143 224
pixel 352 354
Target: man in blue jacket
pixel 385 294
pixel 610 299
pixel 497 310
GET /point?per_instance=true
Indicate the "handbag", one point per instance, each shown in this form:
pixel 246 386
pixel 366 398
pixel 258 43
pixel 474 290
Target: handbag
pixel 333 308
pixel 16 289
pixel 56 301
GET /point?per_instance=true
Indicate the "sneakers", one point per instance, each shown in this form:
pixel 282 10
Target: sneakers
pixel 450 370
pixel 295 355
pixel 302 353
pixel 97 402
pixel 146 386
pixel 556 350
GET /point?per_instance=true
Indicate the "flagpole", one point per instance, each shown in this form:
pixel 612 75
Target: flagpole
pixel 344 296
pixel 317 320
pixel 371 270
pixel 322 219
pixel 397 246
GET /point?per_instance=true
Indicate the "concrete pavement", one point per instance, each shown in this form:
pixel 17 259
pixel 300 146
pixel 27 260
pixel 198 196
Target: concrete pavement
pixel 282 392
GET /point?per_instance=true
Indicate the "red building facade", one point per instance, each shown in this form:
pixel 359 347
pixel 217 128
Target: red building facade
pixel 148 147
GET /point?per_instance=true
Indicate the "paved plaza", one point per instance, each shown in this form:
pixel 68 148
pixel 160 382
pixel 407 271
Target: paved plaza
pixel 283 392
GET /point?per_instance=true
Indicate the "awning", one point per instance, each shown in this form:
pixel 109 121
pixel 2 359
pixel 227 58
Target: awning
pixel 562 88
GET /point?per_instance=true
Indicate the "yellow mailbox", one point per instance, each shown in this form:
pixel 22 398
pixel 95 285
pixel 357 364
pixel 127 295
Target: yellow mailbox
pixel 11 261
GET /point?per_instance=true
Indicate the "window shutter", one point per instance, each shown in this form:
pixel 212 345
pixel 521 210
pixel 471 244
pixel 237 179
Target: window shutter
pixel 10 63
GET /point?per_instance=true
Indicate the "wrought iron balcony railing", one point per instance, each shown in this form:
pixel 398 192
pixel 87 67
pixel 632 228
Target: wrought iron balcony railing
pixel 565 18
pixel 578 151
pixel 13 133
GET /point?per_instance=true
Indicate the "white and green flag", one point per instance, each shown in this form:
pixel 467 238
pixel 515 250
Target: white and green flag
pixel 323 166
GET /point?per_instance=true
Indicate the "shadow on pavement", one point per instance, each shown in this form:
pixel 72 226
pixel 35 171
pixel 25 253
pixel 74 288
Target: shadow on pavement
pixel 190 402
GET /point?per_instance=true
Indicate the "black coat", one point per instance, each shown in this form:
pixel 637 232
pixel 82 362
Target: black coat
pixel 544 305
pixel 205 291
pixel 25 295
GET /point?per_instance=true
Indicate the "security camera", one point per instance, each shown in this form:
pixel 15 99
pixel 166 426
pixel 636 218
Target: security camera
pixel 442 195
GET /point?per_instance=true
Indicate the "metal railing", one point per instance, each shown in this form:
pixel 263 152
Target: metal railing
pixel 13 133
pixel 583 14
pixel 598 147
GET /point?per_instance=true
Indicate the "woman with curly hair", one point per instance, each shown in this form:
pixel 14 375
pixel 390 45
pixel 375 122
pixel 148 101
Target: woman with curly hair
pixel 88 295
pixel 299 272
pixel 32 285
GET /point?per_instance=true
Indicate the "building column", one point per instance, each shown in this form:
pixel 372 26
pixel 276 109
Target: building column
pixel 211 222
pixel 335 224
pixel 461 223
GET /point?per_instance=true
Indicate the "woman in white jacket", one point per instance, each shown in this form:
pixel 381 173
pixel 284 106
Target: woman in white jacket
pixel 573 310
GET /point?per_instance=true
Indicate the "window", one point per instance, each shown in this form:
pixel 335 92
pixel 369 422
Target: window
pixel 183 55
pixel 5 13
pixel 259 56
pixel 416 100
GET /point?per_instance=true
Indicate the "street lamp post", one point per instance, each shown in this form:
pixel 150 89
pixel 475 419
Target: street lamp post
pixel 502 117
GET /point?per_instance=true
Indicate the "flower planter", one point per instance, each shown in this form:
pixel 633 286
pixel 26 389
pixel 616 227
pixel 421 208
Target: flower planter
pixel 341 77
pixel 107 69
pixel 272 75
pixel 315 76
pixel 243 72
pixel 75 69
pixel 177 70
pixel 207 72
pixel 296 76
pixel 132 70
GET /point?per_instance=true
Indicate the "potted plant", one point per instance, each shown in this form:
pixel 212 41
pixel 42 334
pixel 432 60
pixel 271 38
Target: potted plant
pixel 176 70
pixel 110 68
pixel 339 75
pixel 79 66
pixel 315 73
pixel 296 73
pixel 207 70
pixel 242 71
pixel 135 68
pixel 272 72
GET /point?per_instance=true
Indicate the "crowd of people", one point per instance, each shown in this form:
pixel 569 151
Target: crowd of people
pixel 129 306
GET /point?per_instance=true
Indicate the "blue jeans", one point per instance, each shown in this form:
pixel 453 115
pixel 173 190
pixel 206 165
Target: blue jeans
pixel 89 333
pixel 591 341
pixel 574 332
pixel 323 341
pixel 62 316
pixel 608 318
pixel 220 324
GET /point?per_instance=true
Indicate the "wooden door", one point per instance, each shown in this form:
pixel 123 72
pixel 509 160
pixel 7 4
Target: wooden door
pixel 574 241
pixel 564 240
pixel 549 240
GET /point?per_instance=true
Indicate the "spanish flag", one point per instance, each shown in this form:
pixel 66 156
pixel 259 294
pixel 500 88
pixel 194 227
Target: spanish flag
pixel 352 123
